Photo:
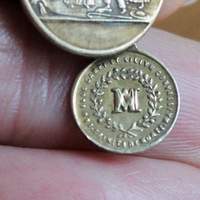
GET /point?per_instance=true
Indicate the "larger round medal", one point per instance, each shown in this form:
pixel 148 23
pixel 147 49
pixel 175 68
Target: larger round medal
pixel 126 103
pixel 93 28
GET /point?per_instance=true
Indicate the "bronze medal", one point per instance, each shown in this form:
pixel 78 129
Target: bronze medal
pixel 126 102
pixel 93 27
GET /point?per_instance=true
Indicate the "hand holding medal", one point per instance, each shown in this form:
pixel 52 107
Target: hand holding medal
pixel 127 102
pixel 36 81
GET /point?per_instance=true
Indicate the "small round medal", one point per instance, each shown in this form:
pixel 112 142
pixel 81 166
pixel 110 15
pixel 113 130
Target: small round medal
pixel 93 28
pixel 126 103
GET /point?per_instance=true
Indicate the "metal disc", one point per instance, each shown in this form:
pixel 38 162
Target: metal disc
pixel 93 28
pixel 126 103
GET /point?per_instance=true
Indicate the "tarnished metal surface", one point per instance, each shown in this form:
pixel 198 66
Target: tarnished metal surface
pixel 126 103
pixel 93 27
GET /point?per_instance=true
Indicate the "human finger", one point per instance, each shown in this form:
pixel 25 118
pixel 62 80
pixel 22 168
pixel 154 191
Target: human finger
pixel 49 175
pixel 36 80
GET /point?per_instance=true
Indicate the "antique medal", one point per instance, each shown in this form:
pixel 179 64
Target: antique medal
pixel 93 27
pixel 126 103
pixel 123 102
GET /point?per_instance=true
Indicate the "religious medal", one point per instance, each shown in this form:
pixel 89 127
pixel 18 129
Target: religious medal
pixel 93 27
pixel 126 101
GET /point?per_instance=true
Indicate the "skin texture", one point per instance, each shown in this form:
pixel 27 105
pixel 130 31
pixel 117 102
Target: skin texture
pixel 44 156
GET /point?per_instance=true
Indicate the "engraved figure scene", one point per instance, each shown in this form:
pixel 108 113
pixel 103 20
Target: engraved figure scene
pixel 93 10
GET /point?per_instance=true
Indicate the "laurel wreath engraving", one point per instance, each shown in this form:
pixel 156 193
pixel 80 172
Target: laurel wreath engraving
pixel 152 93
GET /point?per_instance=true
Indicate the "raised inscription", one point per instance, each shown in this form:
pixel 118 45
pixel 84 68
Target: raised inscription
pixel 131 104
pixel 126 100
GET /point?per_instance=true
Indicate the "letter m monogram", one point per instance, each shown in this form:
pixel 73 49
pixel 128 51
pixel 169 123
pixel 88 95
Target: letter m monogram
pixel 126 100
